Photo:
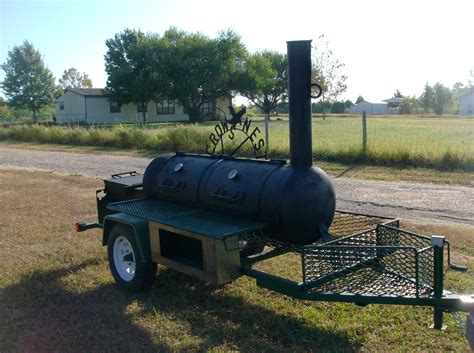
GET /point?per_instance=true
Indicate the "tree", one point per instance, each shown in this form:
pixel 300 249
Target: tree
pixel 459 89
pixel 427 98
pixel 195 69
pixel 73 79
pixel 327 71
pixel 128 64
pixel 264 80
pixel 360 99
pixel 5 112
pixel 338 108
pixel 28 82
pixel 398 94
pixel 320 107
pixel 442 99
pixel 409 105
pixel 438 98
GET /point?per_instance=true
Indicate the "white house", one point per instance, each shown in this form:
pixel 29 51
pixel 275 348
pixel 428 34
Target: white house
pixel 90 105
pixel 466 104
pixel 393 105
pixel 378 108
pixel 371 108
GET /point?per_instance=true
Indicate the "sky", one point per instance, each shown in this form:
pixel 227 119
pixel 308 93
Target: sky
pixel 385 45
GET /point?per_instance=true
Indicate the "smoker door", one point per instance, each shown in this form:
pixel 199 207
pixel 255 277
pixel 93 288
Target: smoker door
pixel 235 185
pixel 179 179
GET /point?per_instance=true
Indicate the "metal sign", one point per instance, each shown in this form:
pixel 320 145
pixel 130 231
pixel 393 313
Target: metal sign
pixel 233 130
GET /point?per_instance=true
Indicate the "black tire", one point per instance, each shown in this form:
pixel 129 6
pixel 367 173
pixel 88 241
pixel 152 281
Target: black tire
pixel 143 276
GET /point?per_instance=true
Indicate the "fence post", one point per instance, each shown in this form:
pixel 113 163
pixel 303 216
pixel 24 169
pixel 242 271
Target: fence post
pixel 364 132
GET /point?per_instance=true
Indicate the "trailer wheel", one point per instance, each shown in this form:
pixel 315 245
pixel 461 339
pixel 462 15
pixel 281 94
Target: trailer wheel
pixel 126 264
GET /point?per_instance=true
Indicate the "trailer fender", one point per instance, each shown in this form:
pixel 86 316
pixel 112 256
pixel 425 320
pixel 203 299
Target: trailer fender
pixel 140 229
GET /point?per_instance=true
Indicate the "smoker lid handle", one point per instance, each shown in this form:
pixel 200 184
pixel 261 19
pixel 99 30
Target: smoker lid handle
pixel 317 92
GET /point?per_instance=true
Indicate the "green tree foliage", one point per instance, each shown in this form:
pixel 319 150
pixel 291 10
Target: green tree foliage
pixel 459 90
pixel 264 80
pixel 5 112
pixel 409 105
pixel 359 100
pixel 188 67
pixel 398 94
pixel 195 69
pixel 443 98
pixel 427 98
pixel 327 71
pixel 128 64
pixel 338 108
pixel 28 82
pixel 321 107
pixel 73 79
pixel 438 98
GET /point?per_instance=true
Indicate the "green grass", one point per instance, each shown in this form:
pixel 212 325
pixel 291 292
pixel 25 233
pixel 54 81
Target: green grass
pixel 57 294
pixel 441 143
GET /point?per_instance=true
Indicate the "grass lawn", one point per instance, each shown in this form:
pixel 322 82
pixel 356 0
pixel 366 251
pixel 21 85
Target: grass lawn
pixel 389 138
pixel 432 142
pixel 56 292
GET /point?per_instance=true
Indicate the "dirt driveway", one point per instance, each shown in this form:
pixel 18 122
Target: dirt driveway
pixel 409 201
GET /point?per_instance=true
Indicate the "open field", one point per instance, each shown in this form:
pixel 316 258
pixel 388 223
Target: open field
pixel 441 143
pixel 56 293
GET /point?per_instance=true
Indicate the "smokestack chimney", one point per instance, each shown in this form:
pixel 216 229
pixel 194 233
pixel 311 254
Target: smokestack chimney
pixel 299 96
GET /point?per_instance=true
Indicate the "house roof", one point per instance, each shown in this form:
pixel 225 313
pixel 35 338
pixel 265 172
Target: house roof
pixel 88 92
pixel 373 102
pixel 393 100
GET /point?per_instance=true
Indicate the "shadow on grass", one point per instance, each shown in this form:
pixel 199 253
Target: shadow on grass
pixel 40 315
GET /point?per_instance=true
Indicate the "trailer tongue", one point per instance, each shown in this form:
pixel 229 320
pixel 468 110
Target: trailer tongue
pixel 214 217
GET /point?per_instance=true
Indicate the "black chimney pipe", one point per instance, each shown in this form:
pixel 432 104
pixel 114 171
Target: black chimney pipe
pixel 299 96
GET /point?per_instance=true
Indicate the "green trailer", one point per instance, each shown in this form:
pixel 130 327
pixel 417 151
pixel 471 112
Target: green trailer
pixel 369 260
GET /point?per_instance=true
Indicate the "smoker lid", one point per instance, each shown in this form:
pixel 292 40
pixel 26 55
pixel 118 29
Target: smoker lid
pixel 210 224
pixel 129 180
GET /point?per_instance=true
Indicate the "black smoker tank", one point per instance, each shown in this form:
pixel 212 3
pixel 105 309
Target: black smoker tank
pixel 297 199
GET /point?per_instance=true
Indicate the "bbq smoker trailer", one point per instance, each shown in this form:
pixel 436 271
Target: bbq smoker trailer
pixel 215 216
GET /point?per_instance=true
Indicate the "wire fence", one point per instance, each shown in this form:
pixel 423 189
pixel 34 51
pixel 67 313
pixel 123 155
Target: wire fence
pixel 440 142
pixel 423 141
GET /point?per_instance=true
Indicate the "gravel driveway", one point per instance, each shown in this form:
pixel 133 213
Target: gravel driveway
pixel 409 201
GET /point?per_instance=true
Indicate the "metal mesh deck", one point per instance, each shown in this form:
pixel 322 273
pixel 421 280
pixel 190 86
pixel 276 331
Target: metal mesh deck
pixel 343 225
pixel 206 223
pixel 348 223
pixel 382 261
pixel 368 281
pixel 368 256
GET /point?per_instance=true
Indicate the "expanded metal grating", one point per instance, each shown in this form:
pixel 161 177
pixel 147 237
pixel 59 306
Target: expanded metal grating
pixel 382 261
pixel 344 224
pixel 348 223
pixel 206 223
pixel 368 281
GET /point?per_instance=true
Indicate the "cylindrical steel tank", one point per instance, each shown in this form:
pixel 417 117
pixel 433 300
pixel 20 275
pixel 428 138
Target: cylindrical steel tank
pixel 297 199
